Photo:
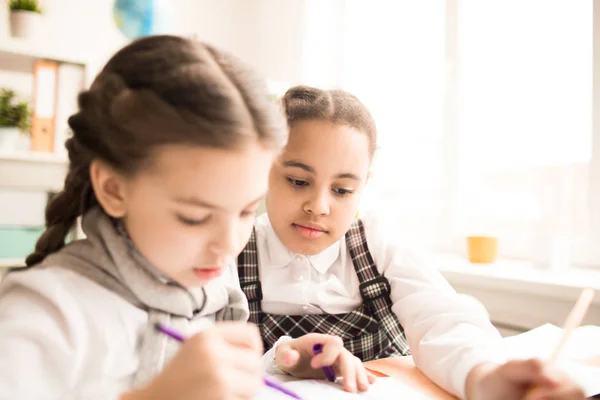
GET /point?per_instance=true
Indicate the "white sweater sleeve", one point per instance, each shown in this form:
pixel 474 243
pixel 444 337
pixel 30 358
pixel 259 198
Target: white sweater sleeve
pixel 268 359
pixel 448 334
pixel 44 341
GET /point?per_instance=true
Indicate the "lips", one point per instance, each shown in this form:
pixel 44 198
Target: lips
pixel 313 226
pixel 310 230
pixel 208 273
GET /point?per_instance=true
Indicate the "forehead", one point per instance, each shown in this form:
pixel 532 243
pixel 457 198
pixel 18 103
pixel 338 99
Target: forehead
pixel 228 178
pixel 328 147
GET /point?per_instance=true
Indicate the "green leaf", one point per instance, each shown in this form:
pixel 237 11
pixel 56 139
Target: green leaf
pixel 25 5
pixel 14 112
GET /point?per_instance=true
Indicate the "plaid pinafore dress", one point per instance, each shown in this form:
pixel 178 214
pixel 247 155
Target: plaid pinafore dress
pixel 370 332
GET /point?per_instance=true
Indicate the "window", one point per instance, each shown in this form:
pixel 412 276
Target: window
pixel 394 62
pixel 484 112
pixel 524 124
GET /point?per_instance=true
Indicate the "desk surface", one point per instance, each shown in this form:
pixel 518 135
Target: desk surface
pixel 404 369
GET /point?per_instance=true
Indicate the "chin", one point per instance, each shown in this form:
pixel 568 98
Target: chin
pixel 191 281
pixel 308 248
pixel 195 282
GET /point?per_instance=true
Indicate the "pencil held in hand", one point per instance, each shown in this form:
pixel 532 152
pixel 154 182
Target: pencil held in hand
pixel 573 321
pixel 172 333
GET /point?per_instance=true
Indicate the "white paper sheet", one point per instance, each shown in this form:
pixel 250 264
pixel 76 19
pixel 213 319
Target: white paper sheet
pixel 382 389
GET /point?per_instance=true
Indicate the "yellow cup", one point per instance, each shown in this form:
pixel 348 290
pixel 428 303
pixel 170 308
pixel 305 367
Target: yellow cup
pixel 482 249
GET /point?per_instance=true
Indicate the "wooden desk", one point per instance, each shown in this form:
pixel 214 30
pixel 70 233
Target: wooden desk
pixel 404 369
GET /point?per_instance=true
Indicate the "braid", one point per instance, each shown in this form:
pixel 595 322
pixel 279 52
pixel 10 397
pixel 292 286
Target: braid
pixel 64 209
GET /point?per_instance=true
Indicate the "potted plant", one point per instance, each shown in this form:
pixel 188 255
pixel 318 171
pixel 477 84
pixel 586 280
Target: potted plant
pixel 25 17
pixel 15 120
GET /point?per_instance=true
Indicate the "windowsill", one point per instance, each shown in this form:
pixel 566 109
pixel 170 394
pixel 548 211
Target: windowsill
pixel 11 262
pixel 517 276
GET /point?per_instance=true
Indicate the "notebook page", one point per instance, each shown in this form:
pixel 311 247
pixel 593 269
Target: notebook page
pixel 310 389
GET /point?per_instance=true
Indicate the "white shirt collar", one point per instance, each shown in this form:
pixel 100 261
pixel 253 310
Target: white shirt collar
pixel 280 256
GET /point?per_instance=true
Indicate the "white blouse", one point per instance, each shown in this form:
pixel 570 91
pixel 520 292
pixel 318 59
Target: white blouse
pixel 448 333
pixel 63 336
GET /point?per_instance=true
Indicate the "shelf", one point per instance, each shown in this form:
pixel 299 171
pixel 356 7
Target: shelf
pixel 33 171
pixel 20 54
pixel 11 262
pixel 518 295
pixel 517 274
pixel 40 157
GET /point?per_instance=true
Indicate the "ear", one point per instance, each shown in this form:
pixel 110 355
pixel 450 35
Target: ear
pixel 110 188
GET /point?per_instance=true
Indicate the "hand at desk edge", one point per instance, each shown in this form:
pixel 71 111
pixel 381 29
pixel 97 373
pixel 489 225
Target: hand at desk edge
pixel 520 379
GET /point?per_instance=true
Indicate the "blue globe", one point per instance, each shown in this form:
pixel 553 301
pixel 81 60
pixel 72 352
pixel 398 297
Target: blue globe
pixel 138 18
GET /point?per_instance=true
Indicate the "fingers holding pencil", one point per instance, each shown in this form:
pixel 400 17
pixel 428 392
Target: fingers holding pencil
pixel 245 345
pixel 565 386
pixel 573 321
pixel 321 356
pixel 531 379
pixel 554 384
pixel 222 362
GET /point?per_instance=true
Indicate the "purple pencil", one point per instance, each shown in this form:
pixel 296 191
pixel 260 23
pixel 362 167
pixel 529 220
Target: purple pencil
pixel 329 372
pixel 283 390
pixel 180 338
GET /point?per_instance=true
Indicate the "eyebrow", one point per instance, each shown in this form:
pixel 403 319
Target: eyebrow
pixel 298 164
pixel 307 168
pixel 194 201
pixel 347 175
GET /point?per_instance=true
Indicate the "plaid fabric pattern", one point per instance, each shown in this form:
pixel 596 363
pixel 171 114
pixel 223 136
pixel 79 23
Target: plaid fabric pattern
pixel 370 332
pixel 249 279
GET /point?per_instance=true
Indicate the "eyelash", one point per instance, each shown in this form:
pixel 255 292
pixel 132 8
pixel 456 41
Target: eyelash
pixel 198 222
pixel 246 214
pixel 192 222
pixel 299 184
pixel 342 192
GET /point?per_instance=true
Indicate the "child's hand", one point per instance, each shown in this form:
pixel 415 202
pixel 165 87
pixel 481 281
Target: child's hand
pixel 296 357
pixel 223 362
pixel 527 379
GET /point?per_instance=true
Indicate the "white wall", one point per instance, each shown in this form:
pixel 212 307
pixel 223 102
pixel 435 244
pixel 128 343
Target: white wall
pixel 265 33
pixel 270 37
pixel 81 26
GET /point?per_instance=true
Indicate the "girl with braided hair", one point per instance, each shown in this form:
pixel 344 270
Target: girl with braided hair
pixel 169 159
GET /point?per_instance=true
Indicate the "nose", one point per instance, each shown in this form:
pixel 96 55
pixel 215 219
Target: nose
pixel 225 242
pixel 318 203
